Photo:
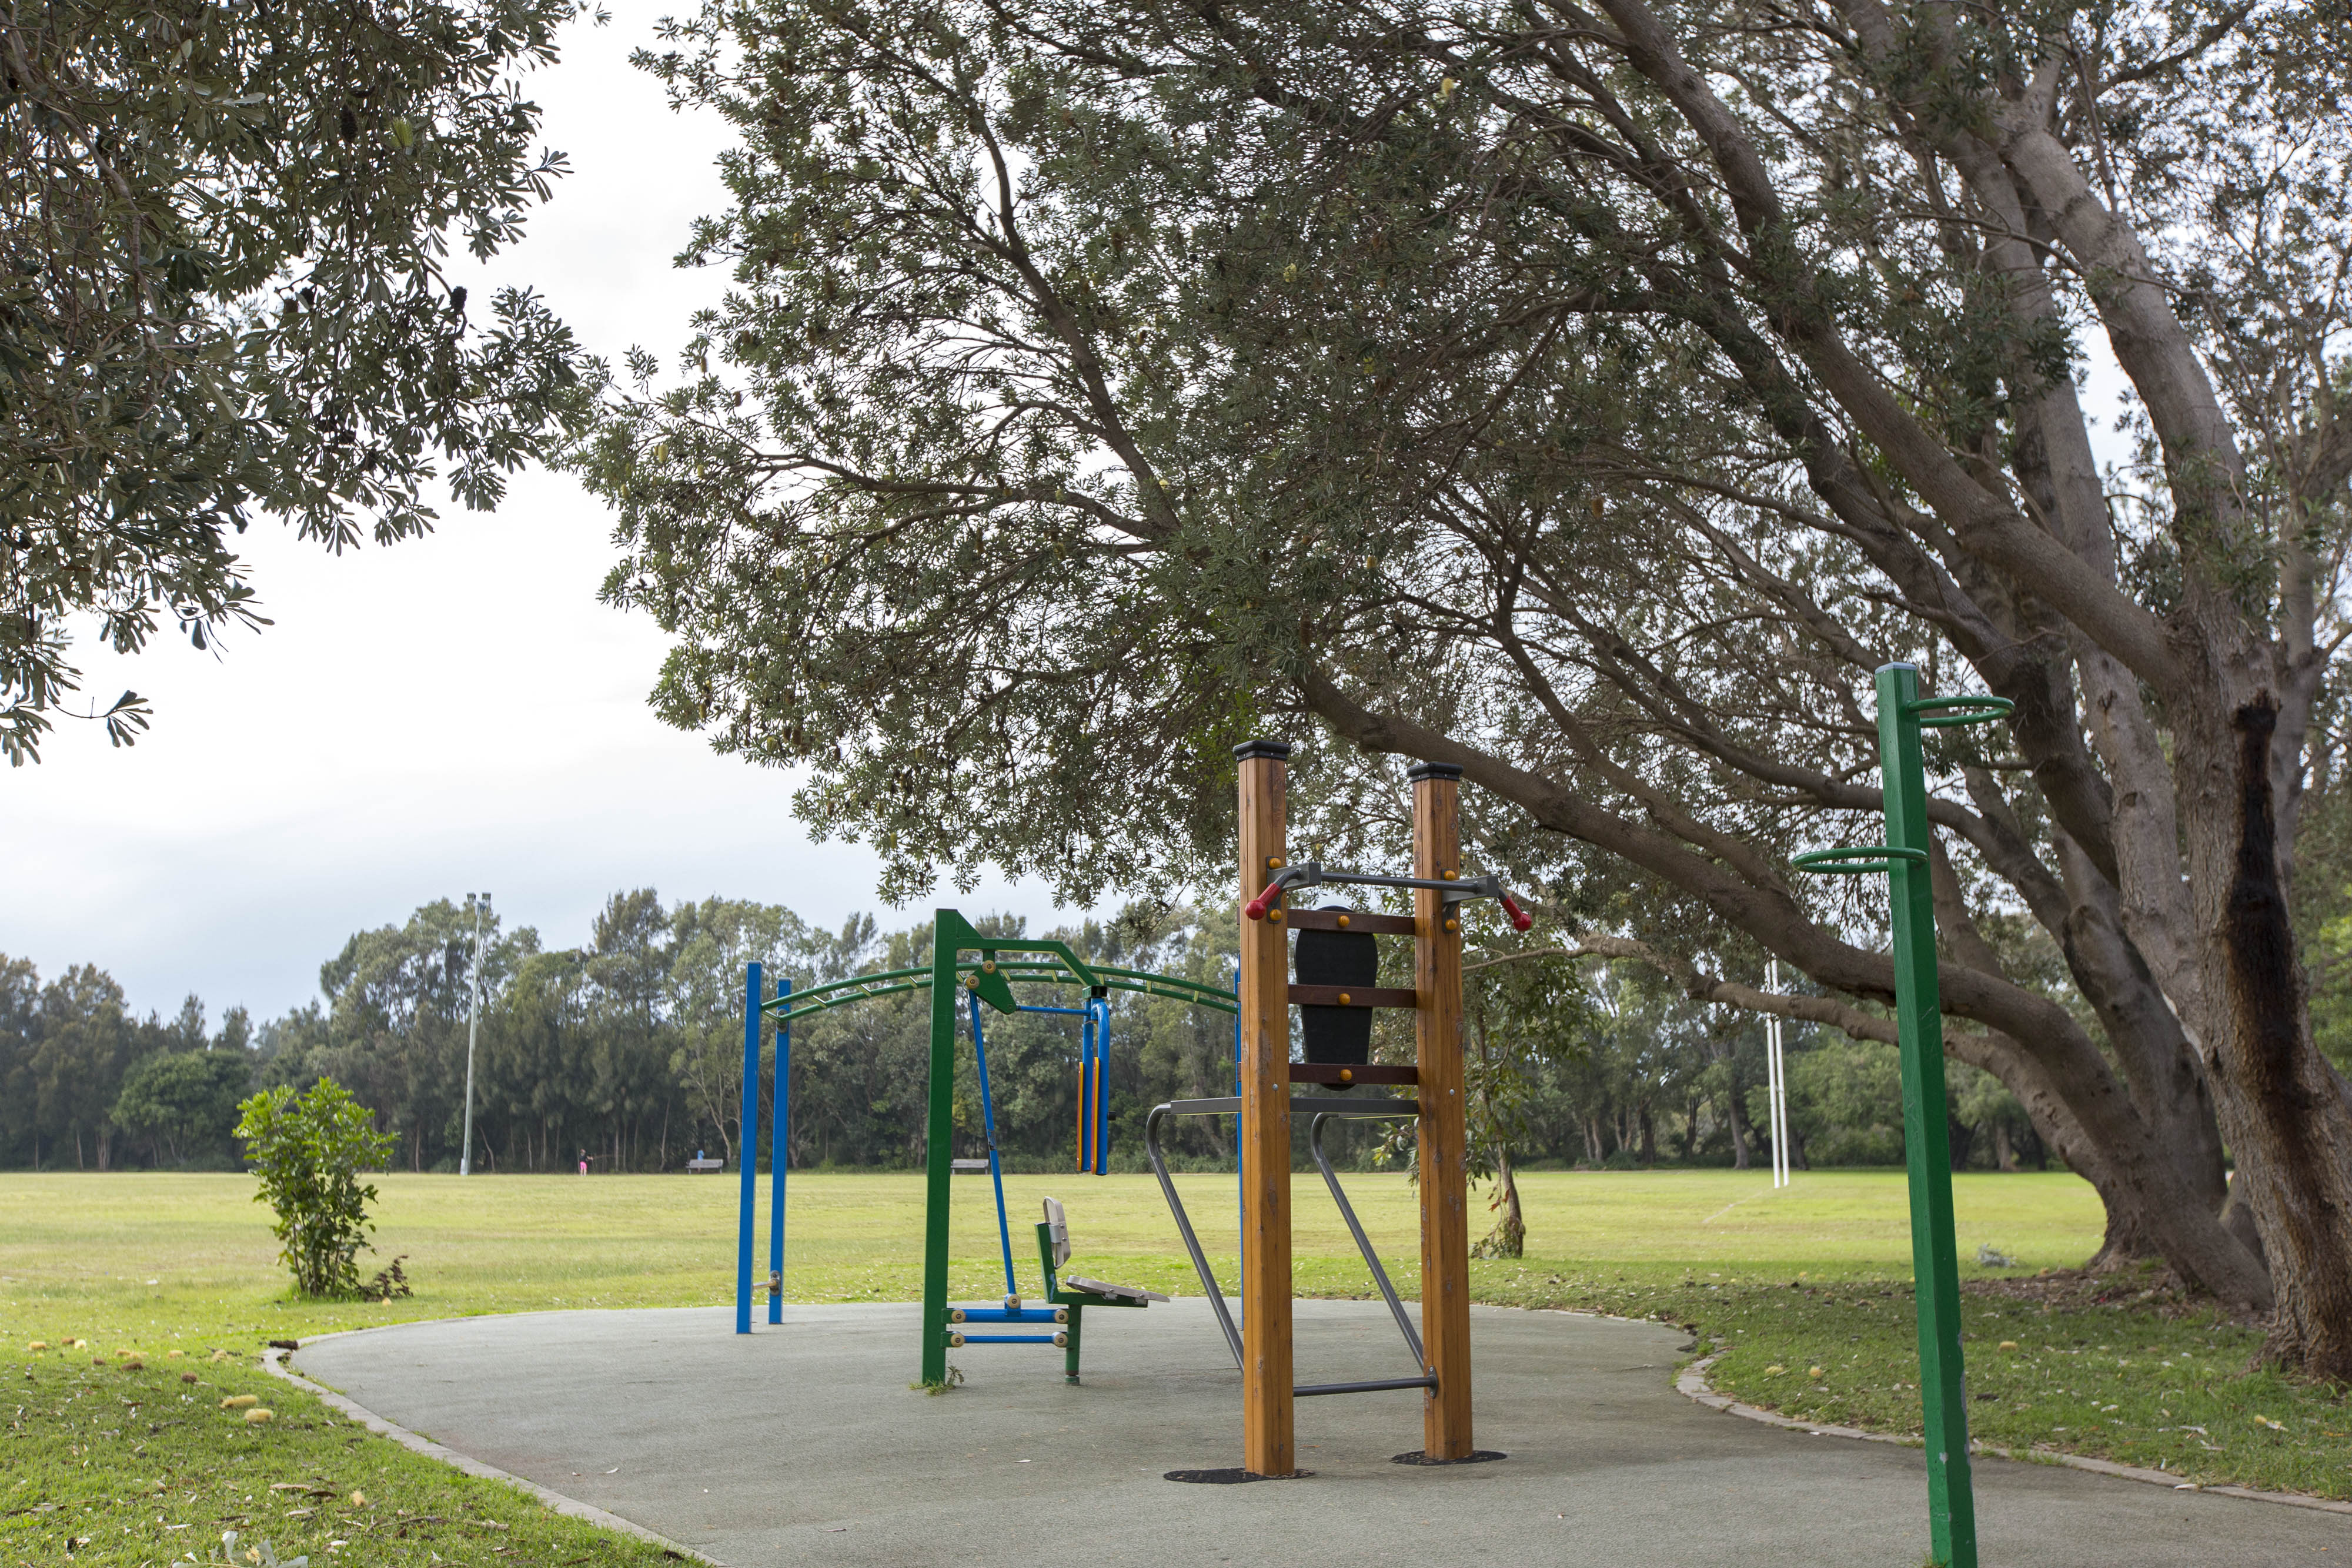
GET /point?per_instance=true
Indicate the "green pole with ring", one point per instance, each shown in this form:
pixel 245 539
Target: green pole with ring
pixel 1927 1138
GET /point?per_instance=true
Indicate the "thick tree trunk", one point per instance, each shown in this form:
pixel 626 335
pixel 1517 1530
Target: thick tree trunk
pixel 2126 1241
pixel 2080 1112
pixel 2285 1110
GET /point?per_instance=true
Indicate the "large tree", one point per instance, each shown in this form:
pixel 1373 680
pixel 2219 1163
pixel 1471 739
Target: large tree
pixel 224 248
pixel 1591 398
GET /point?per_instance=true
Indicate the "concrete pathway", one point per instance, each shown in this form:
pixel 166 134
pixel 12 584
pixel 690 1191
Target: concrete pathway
pixel 803 1445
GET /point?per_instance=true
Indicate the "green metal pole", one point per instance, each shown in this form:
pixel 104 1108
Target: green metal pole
pixel 1927 1144
pixel 947 929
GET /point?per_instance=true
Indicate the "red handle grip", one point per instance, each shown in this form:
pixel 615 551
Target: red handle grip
pixel 1257 908
pixel 1520 918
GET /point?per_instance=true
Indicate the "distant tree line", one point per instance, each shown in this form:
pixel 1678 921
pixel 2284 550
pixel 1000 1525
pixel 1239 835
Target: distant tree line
pixel 629 1050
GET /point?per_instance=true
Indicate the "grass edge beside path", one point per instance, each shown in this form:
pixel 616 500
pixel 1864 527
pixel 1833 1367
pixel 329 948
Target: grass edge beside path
pixel 2116 1368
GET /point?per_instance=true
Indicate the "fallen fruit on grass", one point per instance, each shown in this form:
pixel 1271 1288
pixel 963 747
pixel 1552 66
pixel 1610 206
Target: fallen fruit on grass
pixel 257 1416
pixel 187 1377
pixel 220 1355
pixel 2008 1344
pixel 2273 1425
pixel 172 1354
pixel 38 1345
pixel 239 1401
pixel 134 1364
pixel 359 1499
pixel 1774 1371
pixel 1812 1372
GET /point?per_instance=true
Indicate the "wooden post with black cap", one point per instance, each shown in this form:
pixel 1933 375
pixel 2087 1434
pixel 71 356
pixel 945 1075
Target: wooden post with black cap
pixel 1443 1134
pixel 1269 1446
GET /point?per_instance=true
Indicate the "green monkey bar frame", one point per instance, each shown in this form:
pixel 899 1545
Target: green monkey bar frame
pixel 948 977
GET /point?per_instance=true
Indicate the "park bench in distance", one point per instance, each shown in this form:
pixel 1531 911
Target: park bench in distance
pixel 693 1165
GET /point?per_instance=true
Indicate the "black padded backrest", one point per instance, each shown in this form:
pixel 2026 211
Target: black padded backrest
pixel 1342 1035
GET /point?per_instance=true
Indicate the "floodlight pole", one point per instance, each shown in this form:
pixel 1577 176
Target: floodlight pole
pixel 473 1031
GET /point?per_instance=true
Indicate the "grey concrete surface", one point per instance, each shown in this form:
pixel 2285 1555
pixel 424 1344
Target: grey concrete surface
pixel 802 1445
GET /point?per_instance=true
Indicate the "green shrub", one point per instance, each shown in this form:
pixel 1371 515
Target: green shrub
pixel 309 1149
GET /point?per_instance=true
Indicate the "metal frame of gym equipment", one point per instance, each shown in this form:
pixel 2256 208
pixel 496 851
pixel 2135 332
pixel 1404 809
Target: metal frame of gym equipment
pixel 1262 1343
pixel 1903 859
pixel 987 978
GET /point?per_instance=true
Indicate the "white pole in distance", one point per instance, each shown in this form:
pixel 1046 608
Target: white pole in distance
pixel 1775 1092
pixel 473 1031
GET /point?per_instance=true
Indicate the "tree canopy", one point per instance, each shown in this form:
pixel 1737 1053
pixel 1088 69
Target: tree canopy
pixel 224 238
pixel 1591 398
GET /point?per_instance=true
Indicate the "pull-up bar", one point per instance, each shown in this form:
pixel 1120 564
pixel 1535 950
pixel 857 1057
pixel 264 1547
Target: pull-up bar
pixel 1456 889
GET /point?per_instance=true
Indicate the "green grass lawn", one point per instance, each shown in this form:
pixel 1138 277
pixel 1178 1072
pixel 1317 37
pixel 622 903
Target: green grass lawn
pixel 1817 1276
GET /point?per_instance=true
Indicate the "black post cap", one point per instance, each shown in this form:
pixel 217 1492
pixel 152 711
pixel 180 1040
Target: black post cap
pixel 1277 750
pixel 1420 770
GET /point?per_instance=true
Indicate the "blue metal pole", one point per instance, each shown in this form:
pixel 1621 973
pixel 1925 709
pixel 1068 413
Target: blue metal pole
pixel 750 1147
pixel 988 1124
pixel 781 1125
pixel 1086 1070
pixel 1102 1086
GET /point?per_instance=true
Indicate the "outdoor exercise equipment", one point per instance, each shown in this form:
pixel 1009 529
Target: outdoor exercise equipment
pixel 1332 988
pixel 998 964
pixel 1919 1031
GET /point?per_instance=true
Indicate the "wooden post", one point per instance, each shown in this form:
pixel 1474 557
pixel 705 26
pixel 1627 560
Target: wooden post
pixel 1443 1138
pixel 1268 1444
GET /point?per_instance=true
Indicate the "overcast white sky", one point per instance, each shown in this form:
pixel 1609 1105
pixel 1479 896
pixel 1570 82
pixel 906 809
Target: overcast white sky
pixel 445 716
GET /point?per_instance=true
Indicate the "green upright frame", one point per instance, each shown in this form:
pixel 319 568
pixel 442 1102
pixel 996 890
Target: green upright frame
pixel 1927 1138
pixel 952 936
